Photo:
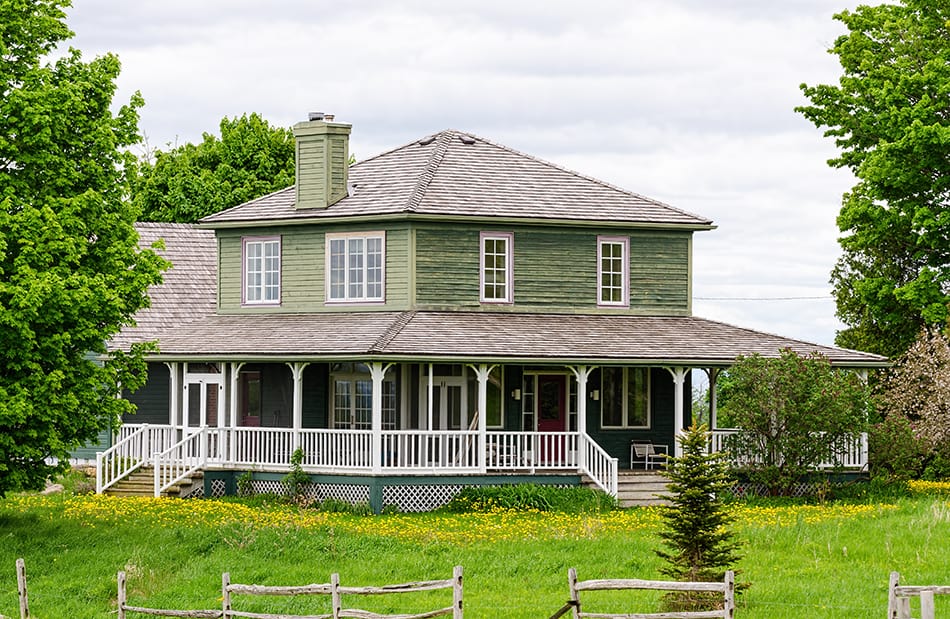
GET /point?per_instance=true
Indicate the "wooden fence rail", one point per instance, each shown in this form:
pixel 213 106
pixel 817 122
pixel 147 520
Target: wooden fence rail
pixel 333 589
pixel 898 598
pixel 574 606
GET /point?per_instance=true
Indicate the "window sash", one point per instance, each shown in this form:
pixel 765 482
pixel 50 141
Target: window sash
pixel 613 272
pixel 262 271
pixel 356 268
pixel 496 268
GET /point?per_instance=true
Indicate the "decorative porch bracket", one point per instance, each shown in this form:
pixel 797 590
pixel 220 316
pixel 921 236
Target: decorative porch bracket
pixel 377 372
pixel 581 373
pixel 296 370
pixel 482 372
pixel 679 380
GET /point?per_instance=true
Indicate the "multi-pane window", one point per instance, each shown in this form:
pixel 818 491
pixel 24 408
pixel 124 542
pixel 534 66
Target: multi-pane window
pixel 495 268
pixel 356 267
pixel 625 398
pixel 261 270
pixel 613 271
pixel 353 398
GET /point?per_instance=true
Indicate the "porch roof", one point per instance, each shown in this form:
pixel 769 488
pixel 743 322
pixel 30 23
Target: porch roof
pixel 484 336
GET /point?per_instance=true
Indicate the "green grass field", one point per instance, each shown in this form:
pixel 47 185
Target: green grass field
pixel 818 561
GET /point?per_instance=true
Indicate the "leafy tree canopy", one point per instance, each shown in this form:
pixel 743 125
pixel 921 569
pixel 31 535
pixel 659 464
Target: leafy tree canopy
pixel 188 182
pixel 794 411
pixel 890 116
pixel 71 274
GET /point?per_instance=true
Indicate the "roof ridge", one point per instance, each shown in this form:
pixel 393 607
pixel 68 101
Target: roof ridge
pixel 391 332
pixel 580 175
pixel 428 173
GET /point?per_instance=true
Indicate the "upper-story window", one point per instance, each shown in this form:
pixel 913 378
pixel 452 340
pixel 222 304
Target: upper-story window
pixel 496 274
pixel 613 271
pixel 356 267
pixel 261 270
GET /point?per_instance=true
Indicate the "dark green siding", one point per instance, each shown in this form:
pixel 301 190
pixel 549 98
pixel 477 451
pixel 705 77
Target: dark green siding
pixel 555 269
pixel 151 401
pixel 303 279
pixel 316 380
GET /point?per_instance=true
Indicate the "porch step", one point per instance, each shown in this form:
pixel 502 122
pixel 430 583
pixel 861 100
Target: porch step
pixel 142 483
pixel 640 488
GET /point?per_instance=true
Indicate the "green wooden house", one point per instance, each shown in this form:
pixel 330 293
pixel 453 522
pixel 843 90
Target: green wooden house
pixel 449 312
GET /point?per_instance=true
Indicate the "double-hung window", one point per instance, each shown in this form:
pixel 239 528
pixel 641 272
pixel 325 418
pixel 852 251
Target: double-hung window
pixel 625 398
pixel 613 271
pixel 356 267
pixel 261 271
pixel 495 267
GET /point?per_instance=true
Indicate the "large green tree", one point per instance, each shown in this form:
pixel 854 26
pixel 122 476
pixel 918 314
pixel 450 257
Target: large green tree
pixel 191 181
pixel 890 117
pixel 71 273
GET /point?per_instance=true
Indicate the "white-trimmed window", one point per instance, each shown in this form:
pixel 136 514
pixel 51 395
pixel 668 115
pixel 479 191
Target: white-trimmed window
pixel 495 267
pixel 356 267
pixel 353 397
pixel 261 273
pixel 613 271
pixel 625 398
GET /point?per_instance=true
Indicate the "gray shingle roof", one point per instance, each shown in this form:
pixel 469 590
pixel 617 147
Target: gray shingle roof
pixel 189 289
pixel 456 174
pixel 487 336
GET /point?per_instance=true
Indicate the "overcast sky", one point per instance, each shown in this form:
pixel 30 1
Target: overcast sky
pixel 687 101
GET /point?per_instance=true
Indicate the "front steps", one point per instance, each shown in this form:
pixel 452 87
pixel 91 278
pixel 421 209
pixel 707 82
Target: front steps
pixel 142 483
pixel 639 488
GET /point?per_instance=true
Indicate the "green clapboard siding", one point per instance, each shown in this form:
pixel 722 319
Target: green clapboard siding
pixel 303 281
pixel 555 269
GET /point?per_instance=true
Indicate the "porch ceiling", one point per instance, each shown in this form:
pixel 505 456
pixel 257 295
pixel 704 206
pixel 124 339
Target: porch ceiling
pixel 484 336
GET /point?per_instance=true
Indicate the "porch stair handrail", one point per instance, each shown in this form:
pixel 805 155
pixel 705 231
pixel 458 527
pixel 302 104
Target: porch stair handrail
pixel 599 465
pixel 851 454
pixel 133 451
pixel 185 457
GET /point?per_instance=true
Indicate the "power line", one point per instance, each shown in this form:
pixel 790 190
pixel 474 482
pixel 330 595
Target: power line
pixel 821 298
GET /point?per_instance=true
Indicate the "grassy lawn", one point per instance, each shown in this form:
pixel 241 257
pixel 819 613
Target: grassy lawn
pixel 828 560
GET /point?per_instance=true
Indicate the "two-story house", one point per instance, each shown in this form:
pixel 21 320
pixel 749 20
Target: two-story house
pixel 446 313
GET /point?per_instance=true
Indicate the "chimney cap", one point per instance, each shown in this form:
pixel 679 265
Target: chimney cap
pixel 317 116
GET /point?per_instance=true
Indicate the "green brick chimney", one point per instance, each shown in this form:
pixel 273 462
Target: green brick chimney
pixel 323 152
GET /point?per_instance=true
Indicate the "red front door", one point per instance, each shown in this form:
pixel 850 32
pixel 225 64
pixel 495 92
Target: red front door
pixel 552 411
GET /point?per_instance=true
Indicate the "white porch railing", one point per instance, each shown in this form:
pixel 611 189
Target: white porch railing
pixel 852 455
pixel 334 451
pixel 134 448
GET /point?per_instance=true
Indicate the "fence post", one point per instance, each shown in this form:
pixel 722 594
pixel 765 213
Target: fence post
pixel 926 605
pixel 225 595
pixel 457 593
pixel 892 595
pixel 21 589
pixel 572 585
pixel 335 600
pixel 729 605
pixel 121 595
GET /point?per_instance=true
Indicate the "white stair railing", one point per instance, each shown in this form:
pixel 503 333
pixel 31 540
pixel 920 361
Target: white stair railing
pixel 133 450
pixel 188 455
pixel 599 465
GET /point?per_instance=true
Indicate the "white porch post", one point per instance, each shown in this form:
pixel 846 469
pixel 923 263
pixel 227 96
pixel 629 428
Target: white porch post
pixel 713 400
pixel 582 373
pixel 429 401
pixel 378 372
pixel 482 372
pixel 233 402
pixel 175 396
pixel 296 369
pixel 679 380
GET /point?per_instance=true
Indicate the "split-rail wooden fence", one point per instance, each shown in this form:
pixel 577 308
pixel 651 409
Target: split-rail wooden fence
pixel 727 588
pixel 898 598
pixel 334 589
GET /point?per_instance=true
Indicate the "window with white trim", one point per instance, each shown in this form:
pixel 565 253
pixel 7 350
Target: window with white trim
pixel 261 272
pixel 495 267
pixel 613 271
pixel 353 397
pixel 625 398
pixel 356 267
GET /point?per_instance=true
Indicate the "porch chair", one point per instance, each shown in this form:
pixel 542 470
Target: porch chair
pixel 647 453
